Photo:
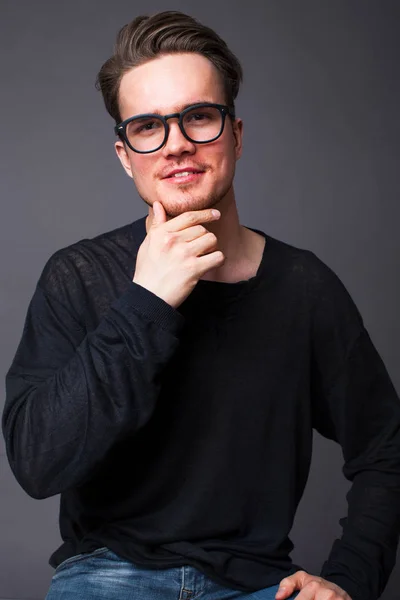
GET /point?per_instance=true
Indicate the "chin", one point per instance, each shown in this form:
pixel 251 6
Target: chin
pixel 184 202
pixel 177 208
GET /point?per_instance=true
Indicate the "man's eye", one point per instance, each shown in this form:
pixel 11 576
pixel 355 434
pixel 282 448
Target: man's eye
pixel 198 117
pixel 147 126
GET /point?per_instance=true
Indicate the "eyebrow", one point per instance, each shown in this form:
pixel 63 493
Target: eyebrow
pixel 179 107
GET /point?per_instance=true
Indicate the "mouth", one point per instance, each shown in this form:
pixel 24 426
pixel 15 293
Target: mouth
pixel 184 177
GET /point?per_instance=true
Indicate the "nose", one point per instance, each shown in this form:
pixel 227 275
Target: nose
pixel 176 143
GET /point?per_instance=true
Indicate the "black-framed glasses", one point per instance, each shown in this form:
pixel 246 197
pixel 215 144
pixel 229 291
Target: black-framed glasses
pixel 199 123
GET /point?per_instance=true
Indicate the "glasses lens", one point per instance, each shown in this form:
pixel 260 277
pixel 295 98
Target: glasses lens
pixel 145 134
pixel 203 124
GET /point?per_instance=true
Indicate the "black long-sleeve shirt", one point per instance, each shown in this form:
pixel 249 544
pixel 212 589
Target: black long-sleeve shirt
pixel 184 436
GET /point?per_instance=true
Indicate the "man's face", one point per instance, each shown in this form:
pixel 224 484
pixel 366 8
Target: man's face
pixel 167 85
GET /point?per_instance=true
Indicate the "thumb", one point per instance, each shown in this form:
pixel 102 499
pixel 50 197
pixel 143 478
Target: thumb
pixel 159 214
pixel 288 585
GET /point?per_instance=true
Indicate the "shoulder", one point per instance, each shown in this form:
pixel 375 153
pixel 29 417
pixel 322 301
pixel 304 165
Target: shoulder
pixel 74 264
pixel 303 263
pixel 313 278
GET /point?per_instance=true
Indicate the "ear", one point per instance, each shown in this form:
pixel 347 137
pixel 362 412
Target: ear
pixel 237 127
pixel 123 156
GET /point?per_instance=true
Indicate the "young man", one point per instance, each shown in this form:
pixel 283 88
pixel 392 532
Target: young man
pixel 171 372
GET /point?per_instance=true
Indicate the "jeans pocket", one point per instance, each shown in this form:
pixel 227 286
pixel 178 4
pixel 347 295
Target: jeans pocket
pixel 78 557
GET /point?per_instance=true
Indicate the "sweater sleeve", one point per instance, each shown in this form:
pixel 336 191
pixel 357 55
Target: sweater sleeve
pixel 356 405
pixel 70 394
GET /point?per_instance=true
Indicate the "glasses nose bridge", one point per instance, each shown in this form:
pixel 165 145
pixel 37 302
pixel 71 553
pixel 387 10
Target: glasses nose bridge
pixel 172 116
pixel 179 123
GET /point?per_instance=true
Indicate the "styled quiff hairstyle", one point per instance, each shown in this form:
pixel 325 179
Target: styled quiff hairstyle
pixel 168 32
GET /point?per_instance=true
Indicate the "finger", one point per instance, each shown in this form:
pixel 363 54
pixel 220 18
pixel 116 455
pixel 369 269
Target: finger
pixel 160 215
pixel 290 584
pixel 312 591
pixel 284 593
pixel 187 219
pixel 192 233
pixel 286 587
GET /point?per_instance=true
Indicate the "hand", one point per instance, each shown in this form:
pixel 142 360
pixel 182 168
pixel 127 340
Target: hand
pixel 313 588
pixel 176 253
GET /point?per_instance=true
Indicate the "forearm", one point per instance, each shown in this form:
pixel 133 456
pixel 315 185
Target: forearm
pixel 59 428
pixel 362 560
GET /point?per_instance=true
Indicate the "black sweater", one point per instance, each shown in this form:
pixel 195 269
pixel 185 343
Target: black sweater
pixel 184 436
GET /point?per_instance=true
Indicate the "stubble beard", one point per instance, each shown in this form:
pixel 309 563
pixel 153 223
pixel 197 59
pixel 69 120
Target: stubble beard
pixel 190 201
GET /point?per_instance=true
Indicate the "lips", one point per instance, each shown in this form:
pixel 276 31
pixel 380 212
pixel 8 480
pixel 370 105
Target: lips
pixel 184 177
pixel 176 173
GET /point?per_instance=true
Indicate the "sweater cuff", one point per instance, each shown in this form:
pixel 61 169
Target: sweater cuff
pixel 154 308
pixel 348 585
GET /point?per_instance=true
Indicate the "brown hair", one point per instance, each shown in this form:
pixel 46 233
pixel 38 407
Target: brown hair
pixel 147 37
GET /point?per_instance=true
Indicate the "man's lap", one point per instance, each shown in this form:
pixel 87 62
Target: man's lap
pixel 104 575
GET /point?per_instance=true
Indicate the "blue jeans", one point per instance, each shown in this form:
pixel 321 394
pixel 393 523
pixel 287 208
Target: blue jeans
pixel 102 575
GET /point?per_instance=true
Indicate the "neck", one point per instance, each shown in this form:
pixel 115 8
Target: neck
pixel 231 240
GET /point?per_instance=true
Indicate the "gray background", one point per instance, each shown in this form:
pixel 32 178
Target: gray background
pixel 320 170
